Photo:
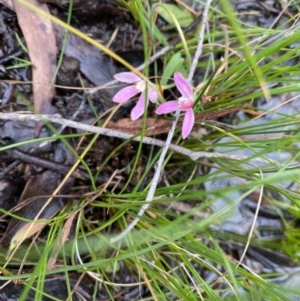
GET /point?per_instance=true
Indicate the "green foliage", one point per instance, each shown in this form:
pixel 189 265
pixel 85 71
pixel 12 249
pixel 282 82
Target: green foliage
pixel 20 63
pixel 173 248
pixel 167 10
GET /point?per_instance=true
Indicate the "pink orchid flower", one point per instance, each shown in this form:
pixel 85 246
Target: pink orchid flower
pixel 184 103
pixel 137 86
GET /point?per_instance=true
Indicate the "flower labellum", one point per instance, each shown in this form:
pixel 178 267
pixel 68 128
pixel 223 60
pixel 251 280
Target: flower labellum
pixel 185 103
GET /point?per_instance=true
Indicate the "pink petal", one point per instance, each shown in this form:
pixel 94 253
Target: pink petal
pixel 185 105
pixel 139 108
pixel 152 95
pixel 167 107
pixel 183 86
pixel 127 77
pixel 125 94
pixel 188 123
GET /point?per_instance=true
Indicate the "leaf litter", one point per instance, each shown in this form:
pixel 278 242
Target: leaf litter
pixel 85 65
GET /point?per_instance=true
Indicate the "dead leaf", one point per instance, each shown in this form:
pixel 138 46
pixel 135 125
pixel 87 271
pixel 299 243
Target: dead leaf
pixel 160 126
pixel 153 126
pixel 36 193
pixel 10 191
pixel 201 117
pixel 97 68
pixel 15 132
pixel 61 241
pixel 40 40
pixel 8 4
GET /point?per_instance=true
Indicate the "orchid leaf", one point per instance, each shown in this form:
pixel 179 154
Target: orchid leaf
pixel 184 17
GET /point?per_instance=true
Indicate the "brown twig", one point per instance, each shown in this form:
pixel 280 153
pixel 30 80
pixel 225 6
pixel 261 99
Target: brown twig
pixel 44 163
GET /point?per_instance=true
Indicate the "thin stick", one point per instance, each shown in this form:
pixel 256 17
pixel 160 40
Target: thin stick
pixel 193 155
pixel 200 39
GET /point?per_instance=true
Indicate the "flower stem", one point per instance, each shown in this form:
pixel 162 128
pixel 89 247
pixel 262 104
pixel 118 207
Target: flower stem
pixel 155 180
pixel 159 168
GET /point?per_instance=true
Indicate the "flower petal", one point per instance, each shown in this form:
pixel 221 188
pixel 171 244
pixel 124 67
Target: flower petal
pixel 188 123
pixel 152 95
pixel 185 105
pixel 183 86
pixel 125 94
pixel 167 107
pixel 139 108
pixel 127 77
